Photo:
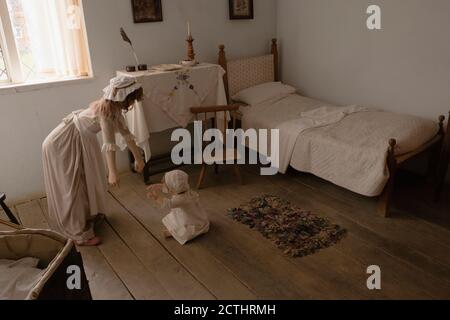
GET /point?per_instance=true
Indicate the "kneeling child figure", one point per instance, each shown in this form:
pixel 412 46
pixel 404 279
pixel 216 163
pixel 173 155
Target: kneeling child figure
pixel 187 219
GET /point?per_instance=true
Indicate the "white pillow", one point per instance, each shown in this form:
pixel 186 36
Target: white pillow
pixel 263 92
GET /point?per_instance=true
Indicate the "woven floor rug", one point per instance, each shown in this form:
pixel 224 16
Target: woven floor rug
pixel 298 233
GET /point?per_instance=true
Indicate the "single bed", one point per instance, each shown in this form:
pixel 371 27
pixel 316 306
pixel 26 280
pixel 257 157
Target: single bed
pixel 359 150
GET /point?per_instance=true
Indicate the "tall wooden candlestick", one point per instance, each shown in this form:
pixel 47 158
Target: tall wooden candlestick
pixel 190 50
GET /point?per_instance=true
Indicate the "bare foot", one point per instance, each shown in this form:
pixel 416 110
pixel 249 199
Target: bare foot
pixel 90 243
pixel 167 234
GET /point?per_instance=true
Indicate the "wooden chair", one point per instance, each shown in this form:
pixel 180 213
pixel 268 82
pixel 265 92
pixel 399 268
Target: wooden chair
pixel 443 162
pixel 5 208
pixel 210 119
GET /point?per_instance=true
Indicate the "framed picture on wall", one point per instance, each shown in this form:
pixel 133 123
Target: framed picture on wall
pixel 241 9
pixel 147 11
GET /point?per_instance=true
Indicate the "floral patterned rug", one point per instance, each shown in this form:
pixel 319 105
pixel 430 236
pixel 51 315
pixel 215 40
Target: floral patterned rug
pixel 298 233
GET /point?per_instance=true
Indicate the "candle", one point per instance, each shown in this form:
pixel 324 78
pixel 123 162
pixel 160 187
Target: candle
pixel 189 29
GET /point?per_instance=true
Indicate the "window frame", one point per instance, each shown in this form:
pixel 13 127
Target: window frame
pixel 8 77
pixel 9 48
pixel 12 59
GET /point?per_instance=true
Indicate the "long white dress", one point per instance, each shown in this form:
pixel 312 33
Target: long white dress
pixel 74 171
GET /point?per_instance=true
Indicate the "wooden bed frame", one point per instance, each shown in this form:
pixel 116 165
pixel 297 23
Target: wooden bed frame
pixel 438 143
pixel 444 163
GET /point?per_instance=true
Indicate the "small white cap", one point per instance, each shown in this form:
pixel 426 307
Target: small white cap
pixel 120 87
pixel 177 181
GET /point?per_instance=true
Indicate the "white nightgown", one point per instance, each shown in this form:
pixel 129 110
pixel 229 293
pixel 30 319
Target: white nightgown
pixel 187 219
pixel 74 171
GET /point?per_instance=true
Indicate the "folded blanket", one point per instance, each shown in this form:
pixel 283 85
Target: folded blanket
pixel 324 116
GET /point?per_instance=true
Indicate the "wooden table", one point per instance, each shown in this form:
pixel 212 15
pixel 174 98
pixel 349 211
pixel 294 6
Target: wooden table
pixel 168 98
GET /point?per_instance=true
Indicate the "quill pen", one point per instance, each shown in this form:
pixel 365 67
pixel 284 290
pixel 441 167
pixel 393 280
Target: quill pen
pixel 128 40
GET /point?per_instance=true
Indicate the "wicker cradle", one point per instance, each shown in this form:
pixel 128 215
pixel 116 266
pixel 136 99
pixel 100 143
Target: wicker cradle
pixel 55 254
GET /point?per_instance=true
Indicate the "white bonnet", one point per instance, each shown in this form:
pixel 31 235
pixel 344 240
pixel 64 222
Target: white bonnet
pixel 120 87
pixel 177 181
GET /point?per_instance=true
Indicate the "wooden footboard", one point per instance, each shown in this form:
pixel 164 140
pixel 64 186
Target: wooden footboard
pixel 393 163
pixel 386 196
pixel 444 160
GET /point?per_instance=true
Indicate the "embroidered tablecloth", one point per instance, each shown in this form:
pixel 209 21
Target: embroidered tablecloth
pixel 169 97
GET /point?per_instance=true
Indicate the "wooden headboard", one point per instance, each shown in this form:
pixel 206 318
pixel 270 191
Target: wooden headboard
pixel 248 72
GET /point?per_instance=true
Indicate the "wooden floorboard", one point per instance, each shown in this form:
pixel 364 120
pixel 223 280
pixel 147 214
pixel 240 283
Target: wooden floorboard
pixel 5 227
pixel 401 220
pixel 369 253
pixel 232 261
pixel 218 199
pixel 201 263
pixel 137 281
pixel 103 281
pixel 416 262
pixel 176 280
pixel 13 210
pixel 343 274
pixel 403 279
pixel 387 233
pixel 266 277
pixel 417 268
pixel 302 275
pixel 140 282
pixel 3 216
pixel 30 215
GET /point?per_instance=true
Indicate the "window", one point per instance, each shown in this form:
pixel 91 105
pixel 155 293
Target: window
pixel 3 72
pixel 42 40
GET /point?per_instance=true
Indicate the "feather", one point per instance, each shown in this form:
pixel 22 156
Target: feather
pixel 128 40
pixel 125 36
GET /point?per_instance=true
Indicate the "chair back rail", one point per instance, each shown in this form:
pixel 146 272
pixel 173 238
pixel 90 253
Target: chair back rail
pixel 204 114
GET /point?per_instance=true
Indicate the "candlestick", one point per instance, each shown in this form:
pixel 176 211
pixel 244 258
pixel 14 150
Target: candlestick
pixel 190 51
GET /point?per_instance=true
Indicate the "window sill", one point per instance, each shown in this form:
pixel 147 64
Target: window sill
pixel 35 86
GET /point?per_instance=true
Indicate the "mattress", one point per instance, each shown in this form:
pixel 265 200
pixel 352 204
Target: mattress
pixel 351 153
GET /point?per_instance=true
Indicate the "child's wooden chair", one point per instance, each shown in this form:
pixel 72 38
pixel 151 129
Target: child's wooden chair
pixel 213 115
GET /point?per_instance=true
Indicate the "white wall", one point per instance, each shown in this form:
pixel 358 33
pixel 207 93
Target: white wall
pixel 27 118
pixel 328 53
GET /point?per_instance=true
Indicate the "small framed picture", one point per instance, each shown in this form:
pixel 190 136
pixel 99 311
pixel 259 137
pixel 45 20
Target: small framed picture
pixel 241 9
pixel 147 11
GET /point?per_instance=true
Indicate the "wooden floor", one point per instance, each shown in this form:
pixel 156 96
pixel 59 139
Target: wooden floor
pixel 234 262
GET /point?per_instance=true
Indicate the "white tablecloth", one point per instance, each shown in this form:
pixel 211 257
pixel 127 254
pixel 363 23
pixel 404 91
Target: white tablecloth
pixel 169 97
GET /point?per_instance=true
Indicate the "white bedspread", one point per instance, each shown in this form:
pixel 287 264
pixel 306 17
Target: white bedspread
pixel 344 145
pixel 316 118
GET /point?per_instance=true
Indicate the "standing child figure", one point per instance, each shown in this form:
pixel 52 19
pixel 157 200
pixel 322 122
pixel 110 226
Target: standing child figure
pixel 187 219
